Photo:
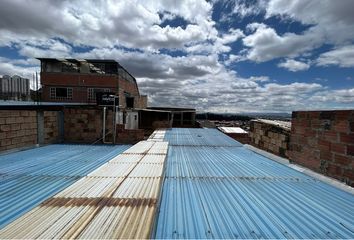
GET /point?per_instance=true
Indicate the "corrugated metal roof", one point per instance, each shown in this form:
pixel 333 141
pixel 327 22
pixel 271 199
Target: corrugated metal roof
pixel 231 192
pixel 29 177
pixel 199 137
pixel 157 136
pixel 117 200
pixel 232 130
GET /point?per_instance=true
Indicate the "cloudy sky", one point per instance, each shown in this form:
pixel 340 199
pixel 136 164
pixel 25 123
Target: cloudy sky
pixel 220 56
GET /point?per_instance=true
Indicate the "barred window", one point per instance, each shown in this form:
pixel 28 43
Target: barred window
pixel 59 93
pixel 91 92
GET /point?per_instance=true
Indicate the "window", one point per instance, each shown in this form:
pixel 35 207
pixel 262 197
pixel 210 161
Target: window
pixel 129 102
pixel 91 92
pixel 61 93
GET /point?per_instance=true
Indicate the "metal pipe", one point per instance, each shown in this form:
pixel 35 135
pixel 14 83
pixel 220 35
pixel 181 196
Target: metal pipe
pixel 114 121
pixel 104 125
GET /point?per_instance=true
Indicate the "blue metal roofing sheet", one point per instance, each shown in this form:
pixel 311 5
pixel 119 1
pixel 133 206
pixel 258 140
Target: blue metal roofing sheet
pixel 187 161
pixel 199 137
pixel 29 177
pixel 231 192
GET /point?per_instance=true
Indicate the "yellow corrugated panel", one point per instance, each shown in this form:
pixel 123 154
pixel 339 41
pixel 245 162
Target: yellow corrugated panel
pixel 153 159
pixel 91 187
pixel 147 170
pixel 113 170
pixel 127 158
pixel 140 147
pixel 143 187
pixel 117 200
pixel 124 222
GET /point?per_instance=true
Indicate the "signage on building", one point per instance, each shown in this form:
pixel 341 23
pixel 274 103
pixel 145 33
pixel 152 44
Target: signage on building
pixel 107 99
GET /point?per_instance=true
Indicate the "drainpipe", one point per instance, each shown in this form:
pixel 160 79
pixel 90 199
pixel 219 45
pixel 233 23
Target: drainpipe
pixel 104 127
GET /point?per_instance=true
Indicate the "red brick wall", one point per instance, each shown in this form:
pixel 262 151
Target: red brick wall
pixel 324 142
pixel 18 128
pixel 65 79
pixel 80 83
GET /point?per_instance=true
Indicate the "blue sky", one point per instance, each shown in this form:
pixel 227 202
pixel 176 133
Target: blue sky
pixel 220 56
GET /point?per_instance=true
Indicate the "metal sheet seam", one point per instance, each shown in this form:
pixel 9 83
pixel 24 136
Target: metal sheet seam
pixel 155 222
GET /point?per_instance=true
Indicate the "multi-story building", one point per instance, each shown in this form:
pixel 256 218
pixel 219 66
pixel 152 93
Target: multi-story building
pixel 78 81
pixel 14 88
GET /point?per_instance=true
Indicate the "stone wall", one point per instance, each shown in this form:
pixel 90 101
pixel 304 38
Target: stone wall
pixel 271 136
pixel 324 142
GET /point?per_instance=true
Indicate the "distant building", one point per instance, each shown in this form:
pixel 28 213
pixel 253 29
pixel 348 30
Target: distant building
pixel 78 81
pixel 14 88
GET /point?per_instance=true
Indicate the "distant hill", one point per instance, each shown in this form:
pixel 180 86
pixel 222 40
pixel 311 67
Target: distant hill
pixel 241 116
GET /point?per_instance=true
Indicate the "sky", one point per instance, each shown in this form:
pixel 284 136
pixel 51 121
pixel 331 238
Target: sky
pixel 218 56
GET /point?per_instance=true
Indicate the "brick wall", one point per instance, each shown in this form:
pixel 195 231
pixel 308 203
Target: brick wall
pixel 129 135
pixel 84 124
pixel 18 128
pixel 240 137
pixel 324 142
pixel 270 137
pixel 51 127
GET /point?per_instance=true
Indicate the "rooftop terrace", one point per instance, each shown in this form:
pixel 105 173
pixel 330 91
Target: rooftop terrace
pixel 212 187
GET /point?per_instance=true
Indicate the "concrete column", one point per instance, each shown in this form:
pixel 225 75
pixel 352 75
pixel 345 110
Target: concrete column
pixel 40 127
pixel 60 120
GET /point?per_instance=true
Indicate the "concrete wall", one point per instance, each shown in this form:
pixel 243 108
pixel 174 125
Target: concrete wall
pixel 270 137
pixel 324 142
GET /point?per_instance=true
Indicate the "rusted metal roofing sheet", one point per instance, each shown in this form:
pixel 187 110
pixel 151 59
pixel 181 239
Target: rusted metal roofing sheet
pixel 29 177
pixel 231 192
pixel 117 200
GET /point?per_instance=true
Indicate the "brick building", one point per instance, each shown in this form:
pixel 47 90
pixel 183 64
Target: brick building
pixel 78 81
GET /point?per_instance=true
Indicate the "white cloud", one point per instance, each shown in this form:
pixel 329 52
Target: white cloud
pixel 265 44
pixel 107 23
pixel 293 65
pixel 327 21
pixel 342 57
pixel 241 8
pixel 133 33
pixel 343 96
pixel 333 19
